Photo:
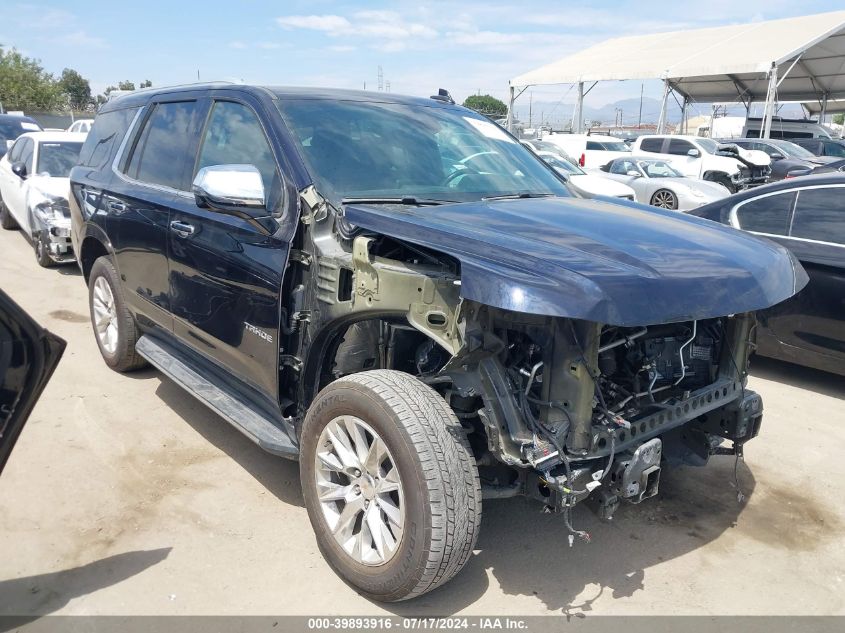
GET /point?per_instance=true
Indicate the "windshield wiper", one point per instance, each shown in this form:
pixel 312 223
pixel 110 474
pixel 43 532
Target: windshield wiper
pixel 516 196
pixel 404 200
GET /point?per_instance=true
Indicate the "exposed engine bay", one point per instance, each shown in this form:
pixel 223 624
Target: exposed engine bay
pixel 563 409
pixel 558 409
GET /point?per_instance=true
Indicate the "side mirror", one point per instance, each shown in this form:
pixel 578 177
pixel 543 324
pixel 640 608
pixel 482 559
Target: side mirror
pixel 776 156
pixel 235 189
pixel 19 169
pixel 694 153
pixel 634 173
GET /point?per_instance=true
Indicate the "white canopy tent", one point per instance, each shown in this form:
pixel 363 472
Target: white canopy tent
pixel 793 59
pixel 832 106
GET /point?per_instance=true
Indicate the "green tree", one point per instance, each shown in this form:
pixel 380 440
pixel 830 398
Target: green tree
pixel 146 84
pixel 839 119
pixel 24 85
pixel 126 85
pixel 76 88
pixel 485 104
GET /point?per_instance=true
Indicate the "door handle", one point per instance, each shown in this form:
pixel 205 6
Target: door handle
pixel 182 229
pixel 117 207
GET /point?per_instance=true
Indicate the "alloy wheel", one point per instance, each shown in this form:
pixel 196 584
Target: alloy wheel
pixel 359 490
pixel 664 200
pixel 105 315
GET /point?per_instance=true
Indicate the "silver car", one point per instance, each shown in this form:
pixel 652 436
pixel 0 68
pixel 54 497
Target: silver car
pixel 657 183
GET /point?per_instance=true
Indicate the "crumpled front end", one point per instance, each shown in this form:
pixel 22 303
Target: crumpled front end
pixel 754 166
pixel 50 221
pixel 579 410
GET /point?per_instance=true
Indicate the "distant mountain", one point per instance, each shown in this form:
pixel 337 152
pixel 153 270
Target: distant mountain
pixel 559 114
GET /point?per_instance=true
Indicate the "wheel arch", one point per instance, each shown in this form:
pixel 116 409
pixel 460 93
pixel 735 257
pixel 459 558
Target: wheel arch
pixel 92 247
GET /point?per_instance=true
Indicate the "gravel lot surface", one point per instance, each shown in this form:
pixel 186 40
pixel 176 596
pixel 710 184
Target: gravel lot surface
pixel 126 496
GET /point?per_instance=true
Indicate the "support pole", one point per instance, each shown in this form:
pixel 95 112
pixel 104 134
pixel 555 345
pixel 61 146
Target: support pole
pixel 684 129
pixel 578 114
pixel 661 122
pixel 510 110
pixel 771 96
pixel 824 110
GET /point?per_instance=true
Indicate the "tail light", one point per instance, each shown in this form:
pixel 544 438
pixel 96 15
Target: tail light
pixel 582 160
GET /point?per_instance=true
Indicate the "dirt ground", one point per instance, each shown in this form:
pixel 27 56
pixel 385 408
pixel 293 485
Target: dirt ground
pixel 126 496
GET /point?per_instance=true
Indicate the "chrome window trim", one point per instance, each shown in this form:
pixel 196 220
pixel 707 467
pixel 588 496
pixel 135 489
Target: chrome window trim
pixel 734 221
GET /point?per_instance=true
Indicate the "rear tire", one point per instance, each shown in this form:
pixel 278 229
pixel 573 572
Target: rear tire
pixel 114 326
pixel 437 502
pixel 6 219
pixel 41 243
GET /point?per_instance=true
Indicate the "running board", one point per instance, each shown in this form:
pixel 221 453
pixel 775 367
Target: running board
pixel 256 425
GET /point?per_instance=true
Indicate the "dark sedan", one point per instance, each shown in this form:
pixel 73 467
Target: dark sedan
pixel 807 216
pixel 788 159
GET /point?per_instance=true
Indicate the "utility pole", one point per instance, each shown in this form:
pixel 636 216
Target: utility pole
pixel 387 86
pixel 640 118
pixel 380 79
pixel 530 104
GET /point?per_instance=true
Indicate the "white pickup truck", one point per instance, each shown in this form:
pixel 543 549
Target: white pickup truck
pixel 697 157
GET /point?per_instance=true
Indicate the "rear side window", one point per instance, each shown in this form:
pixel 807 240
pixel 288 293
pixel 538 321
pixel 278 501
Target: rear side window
pixel 834 149
pixel 105 137
pixel 820 215
pixel 594 145
pixel 163 146
pixel 651 145
pixel 679 147
pixel 234 136
pixel 769 214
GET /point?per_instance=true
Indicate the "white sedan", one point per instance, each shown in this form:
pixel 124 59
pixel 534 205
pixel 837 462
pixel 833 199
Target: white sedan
pixel 588 185
pixel 34 188
pixel 659 184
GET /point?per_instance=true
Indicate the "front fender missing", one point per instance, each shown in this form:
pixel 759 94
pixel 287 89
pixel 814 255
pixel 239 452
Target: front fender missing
pixel 430 298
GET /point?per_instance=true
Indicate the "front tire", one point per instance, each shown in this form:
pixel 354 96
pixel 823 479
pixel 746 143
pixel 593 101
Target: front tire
pixel 390 484
pixel 114 326
pixel 665 199
pixel 6 219
pixel 41 243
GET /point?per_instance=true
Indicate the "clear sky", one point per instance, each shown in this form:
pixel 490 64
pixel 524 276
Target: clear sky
pixel 463 46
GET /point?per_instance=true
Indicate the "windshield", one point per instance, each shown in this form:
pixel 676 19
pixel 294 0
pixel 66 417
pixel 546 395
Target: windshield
pixel 10 130
pixel 548 146
pixel 793 150
pixel 615 146
pixel 659 169
pixel 708 145
pixel 57 159
pixel 367 149
pixel 559 162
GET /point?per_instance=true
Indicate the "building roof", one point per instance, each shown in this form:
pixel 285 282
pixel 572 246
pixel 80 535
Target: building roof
pixel 726 63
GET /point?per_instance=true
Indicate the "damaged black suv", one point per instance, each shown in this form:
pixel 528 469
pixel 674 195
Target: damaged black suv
pixel 400 295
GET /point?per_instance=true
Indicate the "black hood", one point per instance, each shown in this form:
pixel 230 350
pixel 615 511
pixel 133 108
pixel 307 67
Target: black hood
pixel 620 264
